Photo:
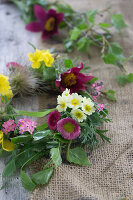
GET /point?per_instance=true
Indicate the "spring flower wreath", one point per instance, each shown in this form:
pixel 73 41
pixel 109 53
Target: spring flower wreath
pixel 75 123
pixel 82 31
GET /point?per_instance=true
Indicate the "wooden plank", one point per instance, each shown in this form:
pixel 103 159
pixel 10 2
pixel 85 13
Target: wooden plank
pixel 14 47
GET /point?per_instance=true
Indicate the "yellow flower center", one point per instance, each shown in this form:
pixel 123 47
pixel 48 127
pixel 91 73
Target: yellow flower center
pixel 78 115
pixel 87 108
pixel 69 79
pixel 50 24
pixel 75 102
pixel 69 127
pixel 63 105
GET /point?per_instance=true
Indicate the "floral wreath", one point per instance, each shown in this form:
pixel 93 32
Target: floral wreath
pixel 75 123
pixel 82 30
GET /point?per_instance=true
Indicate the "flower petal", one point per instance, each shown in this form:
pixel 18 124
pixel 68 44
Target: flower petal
pixel 60 17
pixel 7 145
pixel 34 27
pixel 40 13
pixel 52 12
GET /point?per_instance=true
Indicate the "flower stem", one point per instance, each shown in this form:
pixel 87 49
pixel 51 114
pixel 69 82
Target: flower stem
pixel 68 148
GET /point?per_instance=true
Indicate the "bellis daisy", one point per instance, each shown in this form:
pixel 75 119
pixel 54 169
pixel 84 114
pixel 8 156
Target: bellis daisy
pixel 53 118
pixel 68 128
pixel 78 115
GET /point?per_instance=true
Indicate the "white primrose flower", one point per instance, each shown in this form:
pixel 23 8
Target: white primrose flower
pixel 75 101
pixel 66 93
pixel 78 115
pixel 88 106
pixel 62 102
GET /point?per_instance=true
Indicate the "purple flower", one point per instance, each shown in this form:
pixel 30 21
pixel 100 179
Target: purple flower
pixel 47 22
pixel 26 125
pixel 53 118
pixel 73 80
pixel 68 128
pixel 8 126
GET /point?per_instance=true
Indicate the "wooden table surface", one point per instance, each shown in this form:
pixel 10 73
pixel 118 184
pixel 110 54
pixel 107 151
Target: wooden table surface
pixel 13 45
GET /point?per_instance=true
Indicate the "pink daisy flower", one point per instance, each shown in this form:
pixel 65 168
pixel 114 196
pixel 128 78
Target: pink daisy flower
pixel 68 128
pixel 8 126
pixel 73 80
pixel 26 125
pixel 53 118
pixel 47 22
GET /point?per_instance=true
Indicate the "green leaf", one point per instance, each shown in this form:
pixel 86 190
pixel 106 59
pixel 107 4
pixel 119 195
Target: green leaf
pixel 110 94
pixel 82 26
pixel 9 168
pixel 41 135
pixel 26 181
pixel 60 138
pixel 116 50
pixel 103 137
pixel 83 44
pixel 21 139
pixel 43 176
pixel 56 156
pixel 34 114
pixel 69 46
pixel 104 25
pixel 68 63
pixel 109 59
pixel 124 79
pixel 93 80
pixel 118 21
pixel 75 33
pixel 42 127
pixel 91 14
pixel 78 156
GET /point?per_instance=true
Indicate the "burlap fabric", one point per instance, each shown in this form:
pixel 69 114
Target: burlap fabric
pixel 111 176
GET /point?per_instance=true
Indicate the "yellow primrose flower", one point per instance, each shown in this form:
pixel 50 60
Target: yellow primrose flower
pixel 78 115
pixel 36 58
pixel 6 144
pixel 62 101
pixel 9 95
pixel 88 106
pixel 47 58
pixel 4 85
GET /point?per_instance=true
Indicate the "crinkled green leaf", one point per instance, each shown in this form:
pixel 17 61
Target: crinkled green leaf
pixel 116 50
pixel 26 181
pixel 56 156
pixel 42 135
pixel 83 44
pixel 42 177
pixel 21 139
pixel 78 156
pixel 69 46
pixel 118 21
